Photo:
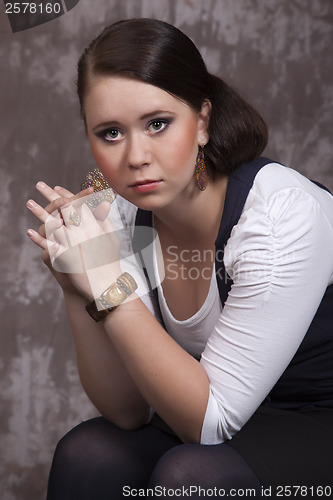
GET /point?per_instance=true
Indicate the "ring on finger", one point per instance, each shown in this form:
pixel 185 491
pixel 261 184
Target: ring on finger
pixel 99 196
pixel 74 218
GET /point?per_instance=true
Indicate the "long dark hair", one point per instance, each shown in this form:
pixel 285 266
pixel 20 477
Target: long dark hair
pixel 157 53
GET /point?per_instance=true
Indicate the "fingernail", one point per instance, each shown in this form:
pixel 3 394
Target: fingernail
pixel 57 188
pixel 31 232
pixel 31 204
pixel 41 185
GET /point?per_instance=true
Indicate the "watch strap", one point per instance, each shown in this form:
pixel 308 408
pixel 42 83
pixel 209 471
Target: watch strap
pixel 96 313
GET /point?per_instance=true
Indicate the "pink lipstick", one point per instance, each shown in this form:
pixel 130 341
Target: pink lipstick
pixel 146 186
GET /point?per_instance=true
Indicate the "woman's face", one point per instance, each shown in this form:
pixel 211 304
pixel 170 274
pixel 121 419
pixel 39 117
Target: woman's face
pixel 144 140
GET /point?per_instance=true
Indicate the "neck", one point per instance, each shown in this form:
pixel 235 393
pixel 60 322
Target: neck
pixel 194 218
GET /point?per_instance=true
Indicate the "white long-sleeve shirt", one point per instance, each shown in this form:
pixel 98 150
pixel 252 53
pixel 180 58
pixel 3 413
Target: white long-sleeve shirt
pixel 280 258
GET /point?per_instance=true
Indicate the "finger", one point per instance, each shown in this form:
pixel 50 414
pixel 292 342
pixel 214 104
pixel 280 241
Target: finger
pixel 81 197
pixel 46 258
pixel 70 216
pixel 58 193
pixel 51 194
pixel 66 197
pixel 75 212
pixel 63 192
pixel 40 241
pixel 47 191
pixel 50 249
pixel 55 205
pixel 53 233
pixel 102 211
pixel 82 194
pixel 41 213
pixel 97 197
pixel 52 225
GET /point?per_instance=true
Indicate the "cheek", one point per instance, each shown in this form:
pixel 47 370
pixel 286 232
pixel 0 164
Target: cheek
pixel 99 156
pixel 105 161
pixel 102 155
pixel 97 151
pixel 185 148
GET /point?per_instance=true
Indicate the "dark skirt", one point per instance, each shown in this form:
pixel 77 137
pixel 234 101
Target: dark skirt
pixel 289 448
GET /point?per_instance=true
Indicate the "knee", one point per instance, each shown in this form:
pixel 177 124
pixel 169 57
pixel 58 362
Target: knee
pixel 82 463
pixel 176 469
pixel 193 465
pixel 72 449
pixel 83 448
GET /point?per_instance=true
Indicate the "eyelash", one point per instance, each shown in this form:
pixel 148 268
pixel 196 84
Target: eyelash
pixel 164 121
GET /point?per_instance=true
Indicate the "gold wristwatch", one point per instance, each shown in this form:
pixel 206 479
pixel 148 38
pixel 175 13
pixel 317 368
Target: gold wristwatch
pixel 112 297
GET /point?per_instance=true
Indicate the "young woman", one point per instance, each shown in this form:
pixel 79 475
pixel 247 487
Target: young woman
pixel 233 388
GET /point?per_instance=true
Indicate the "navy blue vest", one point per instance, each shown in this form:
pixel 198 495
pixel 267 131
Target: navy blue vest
pixel 308 379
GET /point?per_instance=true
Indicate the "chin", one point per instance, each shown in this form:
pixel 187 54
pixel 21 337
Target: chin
pixel 150 204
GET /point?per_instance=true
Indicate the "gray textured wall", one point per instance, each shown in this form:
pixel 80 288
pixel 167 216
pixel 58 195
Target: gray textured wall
pixel 278 52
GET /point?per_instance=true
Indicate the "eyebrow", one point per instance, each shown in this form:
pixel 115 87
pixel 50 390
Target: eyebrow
pixel 142 117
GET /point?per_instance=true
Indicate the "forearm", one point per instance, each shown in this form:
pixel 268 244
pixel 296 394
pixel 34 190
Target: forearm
pixel 137 364
pixel 171 380
pixel 102 372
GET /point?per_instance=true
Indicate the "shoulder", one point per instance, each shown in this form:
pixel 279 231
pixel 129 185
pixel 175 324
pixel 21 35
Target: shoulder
pixel 278 189
pixel 274 178
pixel 285 214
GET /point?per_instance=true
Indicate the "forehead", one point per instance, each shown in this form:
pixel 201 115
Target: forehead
pixel 122 94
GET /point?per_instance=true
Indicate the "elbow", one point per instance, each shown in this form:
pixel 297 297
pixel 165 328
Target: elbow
pixel 191 438
pixel 127 422
pixel 131 424
pixel 189 434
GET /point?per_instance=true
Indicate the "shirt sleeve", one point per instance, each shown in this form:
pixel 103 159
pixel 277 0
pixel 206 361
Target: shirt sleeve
pixel 280 258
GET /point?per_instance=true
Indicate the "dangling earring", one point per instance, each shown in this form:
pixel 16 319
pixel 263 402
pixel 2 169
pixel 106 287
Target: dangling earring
pixel 201 174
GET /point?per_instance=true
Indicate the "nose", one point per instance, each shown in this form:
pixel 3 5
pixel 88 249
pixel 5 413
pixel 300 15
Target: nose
pixel 138 153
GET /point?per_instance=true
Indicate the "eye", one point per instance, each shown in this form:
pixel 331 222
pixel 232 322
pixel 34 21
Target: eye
pixel 111 134
pixel 158 125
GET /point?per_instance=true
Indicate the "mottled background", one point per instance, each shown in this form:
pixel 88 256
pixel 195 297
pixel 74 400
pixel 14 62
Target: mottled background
pixel 277 52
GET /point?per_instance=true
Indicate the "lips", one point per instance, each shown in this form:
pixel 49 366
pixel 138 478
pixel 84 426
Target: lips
pixel 146 181
pixel 146 185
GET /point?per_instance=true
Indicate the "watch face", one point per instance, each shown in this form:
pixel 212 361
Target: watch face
pixel 127 281
pixel 114 295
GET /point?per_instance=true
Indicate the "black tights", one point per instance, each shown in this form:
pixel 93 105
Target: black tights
pixel 99 461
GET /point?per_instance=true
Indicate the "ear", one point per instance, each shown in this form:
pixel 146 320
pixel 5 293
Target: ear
pixel 203 122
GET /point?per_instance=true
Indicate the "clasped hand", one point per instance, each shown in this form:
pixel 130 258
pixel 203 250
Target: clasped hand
pixel 80 246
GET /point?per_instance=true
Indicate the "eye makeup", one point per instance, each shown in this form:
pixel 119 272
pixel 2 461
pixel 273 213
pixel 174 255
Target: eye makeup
pixel 113 134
